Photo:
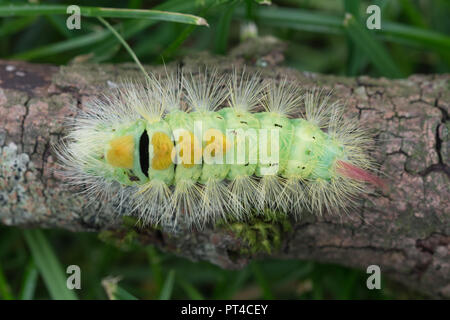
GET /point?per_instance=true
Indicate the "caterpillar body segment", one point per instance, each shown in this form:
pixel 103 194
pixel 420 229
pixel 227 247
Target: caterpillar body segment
pixel 169 148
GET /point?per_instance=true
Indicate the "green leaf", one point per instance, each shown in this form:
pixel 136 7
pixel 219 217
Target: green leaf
pixel 29 282
pixel 48 265
pixel 167 288
pixel 374 50
pixel 33 10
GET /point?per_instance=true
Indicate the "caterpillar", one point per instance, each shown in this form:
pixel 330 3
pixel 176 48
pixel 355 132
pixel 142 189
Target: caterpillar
pixel 200 148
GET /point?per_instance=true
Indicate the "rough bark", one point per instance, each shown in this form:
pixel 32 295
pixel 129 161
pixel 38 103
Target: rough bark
pixel 405 231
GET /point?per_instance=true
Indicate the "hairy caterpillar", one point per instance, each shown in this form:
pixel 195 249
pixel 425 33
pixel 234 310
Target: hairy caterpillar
pixel 168 147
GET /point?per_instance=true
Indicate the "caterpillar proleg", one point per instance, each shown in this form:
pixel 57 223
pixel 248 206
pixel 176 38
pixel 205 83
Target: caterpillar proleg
pixel 206 148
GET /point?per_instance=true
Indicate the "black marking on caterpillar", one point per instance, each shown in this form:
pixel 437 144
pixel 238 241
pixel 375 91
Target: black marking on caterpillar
pixel 143 142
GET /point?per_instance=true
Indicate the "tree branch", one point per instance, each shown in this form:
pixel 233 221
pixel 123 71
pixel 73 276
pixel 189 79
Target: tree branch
pixel 406 232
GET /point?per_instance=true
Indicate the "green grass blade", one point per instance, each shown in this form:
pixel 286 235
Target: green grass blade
pixel 125 44
pixel 163 36
pixel 298 19
pixel 374 50
pixel 62 46
pixel 356 57
pixel 262 281
pixel 167 288
pixel 413 14
pixel 415 36
pixel 305 20
pixel 135 4
pixel 5 289
pixel 29 282
pixel 122 294
pixel 34 10
pixel 182 37
pixel 15 25
pixel 130 29
pixel 173 47
pixel 156 267
pixel 108 46
pixel 190 290
pixel 227 288
pixel 59 24
pixel 104 52
pixel 114 291
pixel 48 265
pixel 223 29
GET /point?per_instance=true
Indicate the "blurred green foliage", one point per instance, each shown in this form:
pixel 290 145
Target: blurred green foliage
pixel 414 39
pixel 147 273
pixel 414 36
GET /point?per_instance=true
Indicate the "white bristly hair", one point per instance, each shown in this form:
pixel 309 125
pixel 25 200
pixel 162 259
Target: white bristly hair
pixel 245 90
pixel 82 151
pixel 206 91
pixel 283 98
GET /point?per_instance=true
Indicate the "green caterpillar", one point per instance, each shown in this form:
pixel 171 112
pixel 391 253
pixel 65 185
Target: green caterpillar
pixel 174 153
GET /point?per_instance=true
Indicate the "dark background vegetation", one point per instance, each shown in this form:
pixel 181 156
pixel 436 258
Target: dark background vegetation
pixel 414 39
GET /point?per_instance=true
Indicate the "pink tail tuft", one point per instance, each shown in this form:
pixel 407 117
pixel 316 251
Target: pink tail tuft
pixel 353 172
